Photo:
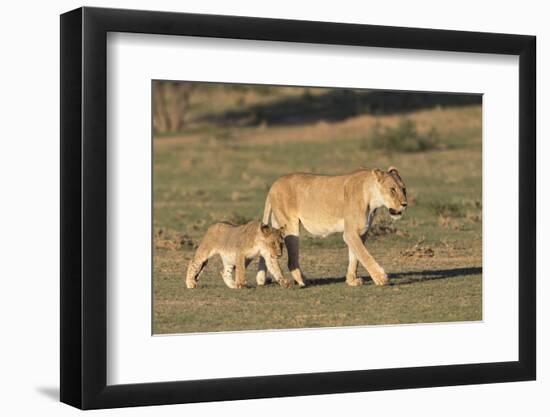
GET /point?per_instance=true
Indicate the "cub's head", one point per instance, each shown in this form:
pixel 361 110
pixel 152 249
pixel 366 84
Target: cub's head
pixel 392 191
pixel 272 240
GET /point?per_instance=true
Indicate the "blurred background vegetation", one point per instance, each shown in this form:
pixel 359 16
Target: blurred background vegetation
pixel 181 106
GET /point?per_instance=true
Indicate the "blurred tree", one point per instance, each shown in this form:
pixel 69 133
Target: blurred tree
pixel 170 104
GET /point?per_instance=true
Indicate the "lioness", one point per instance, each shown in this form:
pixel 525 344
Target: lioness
pixel 237 245
pixel 326 204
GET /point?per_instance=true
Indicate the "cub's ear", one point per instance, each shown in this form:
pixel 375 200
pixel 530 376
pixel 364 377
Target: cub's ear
pixel 266 229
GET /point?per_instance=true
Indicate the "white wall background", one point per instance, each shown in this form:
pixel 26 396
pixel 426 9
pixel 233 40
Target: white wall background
pixel 29 177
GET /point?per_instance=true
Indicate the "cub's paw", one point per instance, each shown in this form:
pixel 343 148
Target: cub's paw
pixel 191 284
pixel 285 283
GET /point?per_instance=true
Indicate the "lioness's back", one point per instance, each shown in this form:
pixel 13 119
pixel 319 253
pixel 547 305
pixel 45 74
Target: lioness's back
pixel 303 193
pixel 300 181
pixel 289 187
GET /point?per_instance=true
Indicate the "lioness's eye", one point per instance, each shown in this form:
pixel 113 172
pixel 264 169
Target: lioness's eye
pixel 393 190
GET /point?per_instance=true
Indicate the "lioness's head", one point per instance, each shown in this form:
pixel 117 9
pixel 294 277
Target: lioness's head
pixel 392 191
pixel 272 240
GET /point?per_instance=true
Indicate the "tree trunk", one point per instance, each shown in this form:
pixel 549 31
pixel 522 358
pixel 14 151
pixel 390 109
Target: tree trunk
pixel 170 102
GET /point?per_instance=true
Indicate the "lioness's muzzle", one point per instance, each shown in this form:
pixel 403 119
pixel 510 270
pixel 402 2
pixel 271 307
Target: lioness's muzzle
pixel 394 212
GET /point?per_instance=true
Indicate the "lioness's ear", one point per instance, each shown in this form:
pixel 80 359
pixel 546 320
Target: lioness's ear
pixel 266 230
pixel 378 174
pixel 395 173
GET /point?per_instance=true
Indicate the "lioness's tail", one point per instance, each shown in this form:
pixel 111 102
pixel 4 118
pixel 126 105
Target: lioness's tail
pixel 261 275
pixel 267 210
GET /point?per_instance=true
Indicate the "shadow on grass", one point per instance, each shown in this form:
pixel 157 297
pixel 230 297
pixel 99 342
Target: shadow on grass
pixel 336 105
pixel 411 277
pixel 406 278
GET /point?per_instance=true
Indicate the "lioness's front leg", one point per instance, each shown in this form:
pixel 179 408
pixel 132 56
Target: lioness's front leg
pixel 355 244
pixel 351 275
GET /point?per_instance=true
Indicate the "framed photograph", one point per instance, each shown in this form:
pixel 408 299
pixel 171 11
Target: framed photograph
pixel 257 208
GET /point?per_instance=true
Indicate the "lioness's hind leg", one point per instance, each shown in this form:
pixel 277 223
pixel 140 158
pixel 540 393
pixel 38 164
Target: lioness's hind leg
pixel 261 278
pixel 292 243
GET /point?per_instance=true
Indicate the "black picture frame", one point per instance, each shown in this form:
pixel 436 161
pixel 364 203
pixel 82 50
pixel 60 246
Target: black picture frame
pixel 84 207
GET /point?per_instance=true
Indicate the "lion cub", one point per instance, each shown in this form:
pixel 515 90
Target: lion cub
pixel 237 245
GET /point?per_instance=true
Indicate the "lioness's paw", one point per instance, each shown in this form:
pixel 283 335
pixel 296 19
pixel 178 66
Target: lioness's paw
pixel 191 284
pixel 261 278
pixel 354 282
pixel 381 279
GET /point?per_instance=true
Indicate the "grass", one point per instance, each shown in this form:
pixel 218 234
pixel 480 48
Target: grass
pixel 433 255
pixel 404 137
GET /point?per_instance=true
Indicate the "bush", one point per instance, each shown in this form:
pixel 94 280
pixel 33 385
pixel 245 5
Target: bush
pixel 236 218
pixel 448 209
pixel 402 138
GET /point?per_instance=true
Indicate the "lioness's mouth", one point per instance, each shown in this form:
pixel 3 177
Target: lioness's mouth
pixel 394 212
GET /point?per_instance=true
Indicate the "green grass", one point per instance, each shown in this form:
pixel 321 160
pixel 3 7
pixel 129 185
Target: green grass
pixel 214 174
pixel 404 137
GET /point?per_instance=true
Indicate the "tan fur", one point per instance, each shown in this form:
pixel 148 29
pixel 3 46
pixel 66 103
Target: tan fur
pixel 326 204
pixel 237 245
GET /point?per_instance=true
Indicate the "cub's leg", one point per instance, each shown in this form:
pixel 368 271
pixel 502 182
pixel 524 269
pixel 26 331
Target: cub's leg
pixel 273 265
pixel 351 275
pixel 275 270
pixel 227 273
pixel 261 276
pixel 195 267
pixel 240 272
pixel 292 232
